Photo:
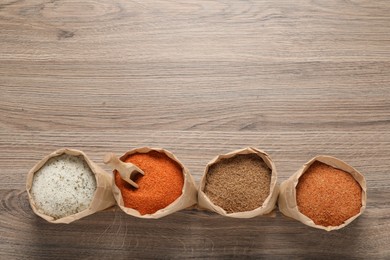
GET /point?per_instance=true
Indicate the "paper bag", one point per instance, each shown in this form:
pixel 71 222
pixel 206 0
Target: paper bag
pixel 268 204
pixel 102 197
pixel 186 199
pixel 287 198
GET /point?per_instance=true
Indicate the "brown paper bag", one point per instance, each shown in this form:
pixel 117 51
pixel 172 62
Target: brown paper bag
pixel 269 203
pixel 187 198
pixel 287 198
pixel 102 198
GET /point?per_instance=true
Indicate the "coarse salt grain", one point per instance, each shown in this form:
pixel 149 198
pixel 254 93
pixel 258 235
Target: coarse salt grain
pixel 63 186
pixel 327 195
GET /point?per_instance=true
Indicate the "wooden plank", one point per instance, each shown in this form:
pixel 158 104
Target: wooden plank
pixel 367 151
pixel 188 234
pixel 199 78
pixel 227 108
pixel 194 233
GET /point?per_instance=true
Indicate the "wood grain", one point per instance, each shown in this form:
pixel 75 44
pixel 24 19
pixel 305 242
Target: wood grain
pixel 199 78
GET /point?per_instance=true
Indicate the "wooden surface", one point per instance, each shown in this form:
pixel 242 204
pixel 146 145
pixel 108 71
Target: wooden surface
pixel 199 78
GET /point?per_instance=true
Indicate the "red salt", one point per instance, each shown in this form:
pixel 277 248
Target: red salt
pixel 160 186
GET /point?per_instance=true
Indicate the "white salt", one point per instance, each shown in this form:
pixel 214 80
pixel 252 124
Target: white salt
pixel 65 185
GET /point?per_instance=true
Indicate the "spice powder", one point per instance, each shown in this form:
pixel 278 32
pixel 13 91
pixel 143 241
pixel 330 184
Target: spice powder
pixel 161 185
pixel 237 184
pixel 327 195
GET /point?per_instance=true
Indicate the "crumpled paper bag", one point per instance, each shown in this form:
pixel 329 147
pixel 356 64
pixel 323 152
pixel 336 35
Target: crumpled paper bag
pixel 102 198
pixel 186 199
pixel 287 198
pixel 269 203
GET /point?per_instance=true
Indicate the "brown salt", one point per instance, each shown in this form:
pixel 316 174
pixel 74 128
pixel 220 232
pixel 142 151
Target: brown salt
pixel 327 195
pixel 237 184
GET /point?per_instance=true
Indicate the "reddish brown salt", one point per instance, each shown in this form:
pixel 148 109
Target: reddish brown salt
pixel 327 195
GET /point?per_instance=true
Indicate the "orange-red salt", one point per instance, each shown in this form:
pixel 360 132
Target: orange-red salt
pixel 160 186
pixel 327 195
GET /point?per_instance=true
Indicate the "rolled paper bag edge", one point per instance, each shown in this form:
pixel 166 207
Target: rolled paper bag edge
pixel 101 199
pixel 187 199
pixel 287 198
pixel 268 205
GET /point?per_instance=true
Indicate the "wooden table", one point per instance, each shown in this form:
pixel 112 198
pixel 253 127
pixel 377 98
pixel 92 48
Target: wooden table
pixel 199 78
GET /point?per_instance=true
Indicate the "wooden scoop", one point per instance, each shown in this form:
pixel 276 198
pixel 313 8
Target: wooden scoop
pixel 126 170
